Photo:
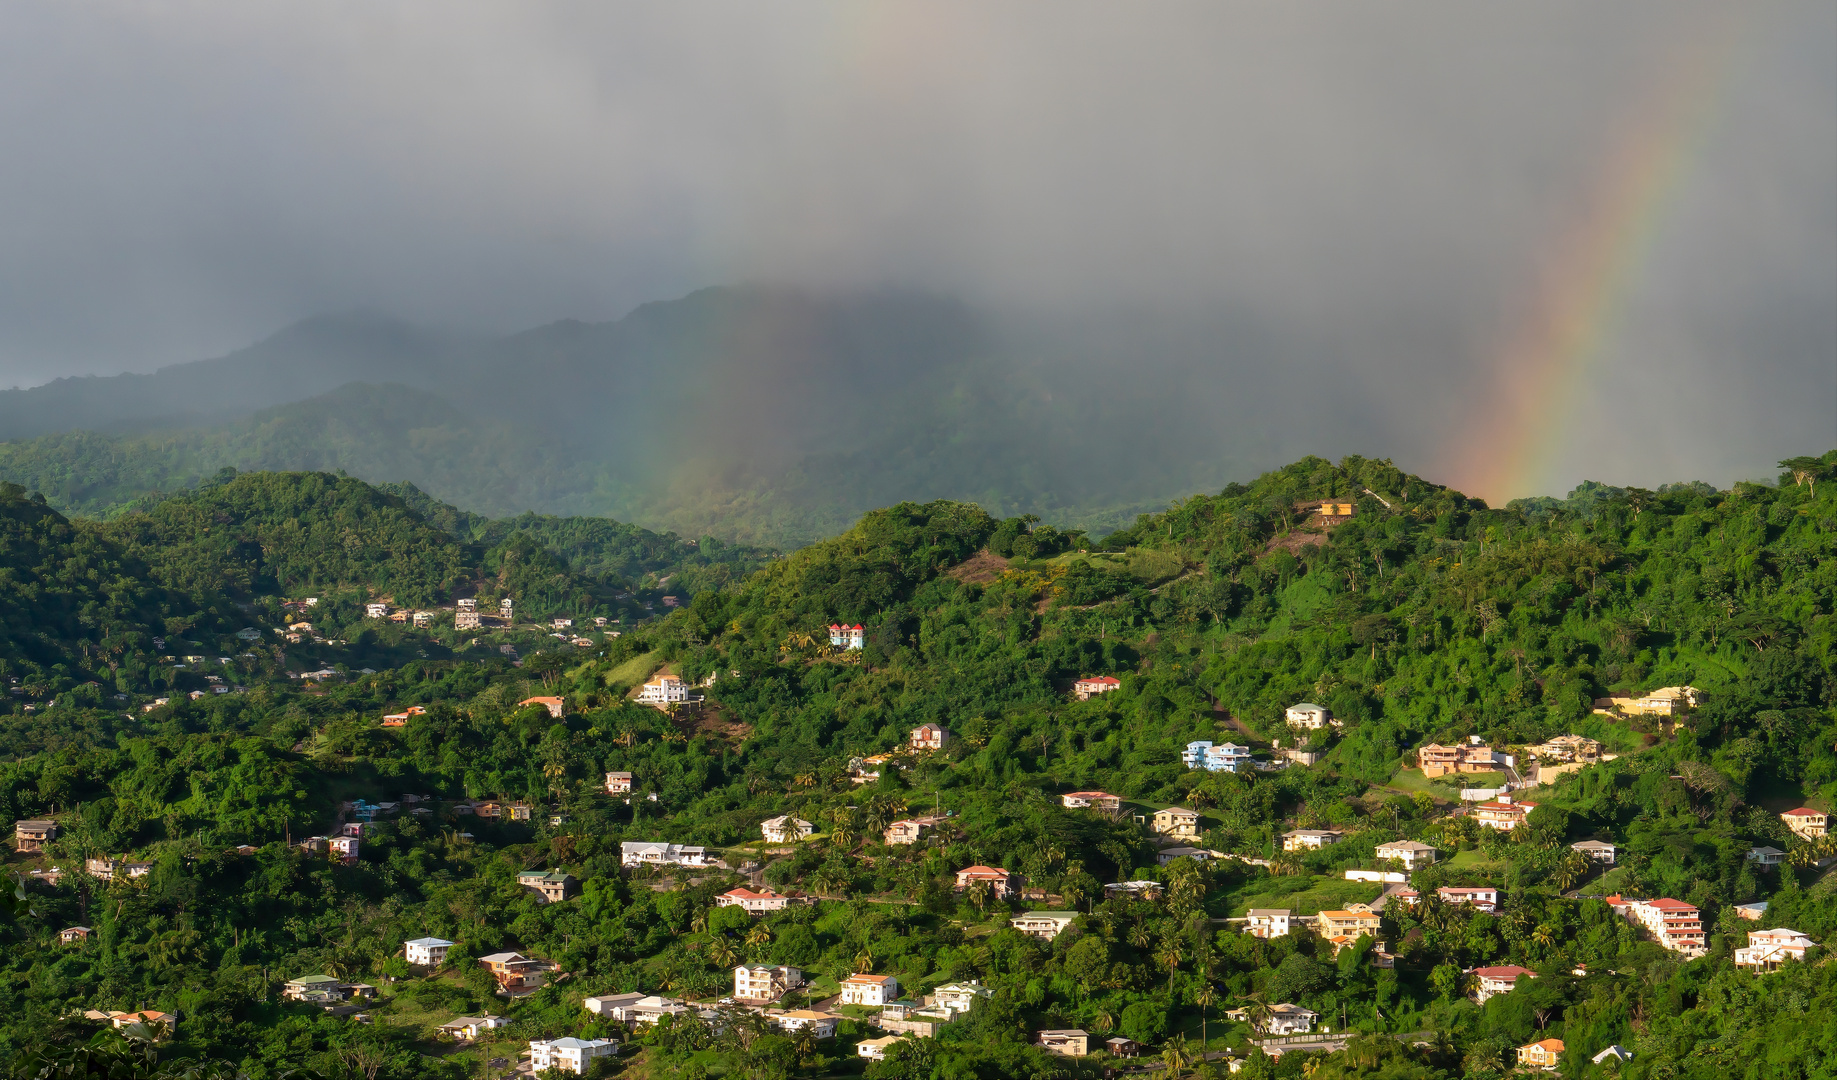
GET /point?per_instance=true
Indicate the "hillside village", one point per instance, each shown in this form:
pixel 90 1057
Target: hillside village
pixel 1204 795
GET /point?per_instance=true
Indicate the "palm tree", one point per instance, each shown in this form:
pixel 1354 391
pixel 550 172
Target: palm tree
pixel 1544 936
pixel 1570 869
pixel 759 936
pixel 804 1045
pixel 723 953
pixel 1174 1056
pixel 980 893
pixel 1205 997
pixel 864 961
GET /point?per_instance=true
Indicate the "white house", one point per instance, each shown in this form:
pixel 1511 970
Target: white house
pixel 1484 897
pixel 847 637
pixel 959 997
pixel 1767 857
pixel 763 982
pixel 785 829
pixel 1225 757
pixel 1308 717
pixel 1503 813
pixel 659 853
pixel 469 1027
pixel 1101 800
pixel 822 1025
pixel 1309 839
pixel 1044 925
pixel 1287 1019
pixel 375 611
pixel 1598 850
pixel 618 783
pixel 870 990
pixel 1267 922
pixel 568 1054
pixel 1411 854
pixel 612 1006
pixel 663 690
pixel 876 1049
pixel 426 951
pixel 1768 949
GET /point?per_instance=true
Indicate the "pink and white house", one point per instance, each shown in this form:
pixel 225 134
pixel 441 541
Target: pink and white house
pixel 1000 881
pixel 1484 897
pixel 848 637
pixel 1489 981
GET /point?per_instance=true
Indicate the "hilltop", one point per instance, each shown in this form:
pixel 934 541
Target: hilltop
pixel 1410 614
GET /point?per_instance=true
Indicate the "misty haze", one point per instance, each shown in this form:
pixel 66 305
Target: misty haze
pixel 1072 268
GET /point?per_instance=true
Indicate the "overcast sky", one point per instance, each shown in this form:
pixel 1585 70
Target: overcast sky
pixel 1390 184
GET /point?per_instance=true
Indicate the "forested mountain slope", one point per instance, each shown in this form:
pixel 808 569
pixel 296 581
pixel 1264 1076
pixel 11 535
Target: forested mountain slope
pixel 755 414
pixel 1421 616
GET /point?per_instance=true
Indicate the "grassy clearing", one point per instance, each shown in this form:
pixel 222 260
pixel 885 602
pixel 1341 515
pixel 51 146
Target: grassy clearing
pixel 1306 894
pixel 1471 859
pixel 633 672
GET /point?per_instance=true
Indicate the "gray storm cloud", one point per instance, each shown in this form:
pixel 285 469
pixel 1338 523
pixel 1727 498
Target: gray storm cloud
pixel 1376 185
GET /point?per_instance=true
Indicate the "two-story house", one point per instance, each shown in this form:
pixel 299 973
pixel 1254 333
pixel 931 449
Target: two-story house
pixel 1309 839
pixel 618 783
pixel 426 951
pixel 1065 1042
pixel 847 637
pixel 756 983
pixel 557 707
pixel 1595 851
pixel 551 885
pixel 1435 760
pixel 785 829
pixel 1484 897
pixel 568 1054
pixel 515 972
pixel 32 834
pixel 870 990
pixel 1806 822
pixel 1503 813
pixel 1491 981
pixel 1410 853
pixel 663 690
pixel 1350 923
pixel 1177 822
pixel 1001 883
pixel 930 737
pixel 1268 922
pixel 659 853
pixel 1044 925
pixel 910 830
pixel 1768 949
pixel 1092 685
pixel 1308 716
pixel 1544 1055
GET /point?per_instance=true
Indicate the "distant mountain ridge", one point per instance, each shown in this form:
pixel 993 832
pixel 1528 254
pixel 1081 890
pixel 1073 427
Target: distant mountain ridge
pixel 756 414
pixel 306 359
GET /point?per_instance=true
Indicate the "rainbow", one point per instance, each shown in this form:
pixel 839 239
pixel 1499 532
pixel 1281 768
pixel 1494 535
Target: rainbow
pixel 1508 449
